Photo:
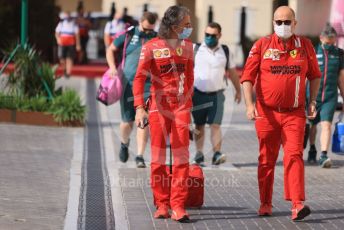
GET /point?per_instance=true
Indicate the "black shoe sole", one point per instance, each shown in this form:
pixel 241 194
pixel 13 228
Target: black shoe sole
pixel 184 219
pixel 265 215
pixel 123 158
pixel 161 217
pixel 305 211
pixel 140 166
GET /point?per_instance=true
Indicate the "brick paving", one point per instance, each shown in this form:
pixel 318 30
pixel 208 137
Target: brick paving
pixel 231 192
pixel 34 176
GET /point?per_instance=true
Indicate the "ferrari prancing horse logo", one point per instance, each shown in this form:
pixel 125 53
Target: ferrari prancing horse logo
pixel 179 51
pixel 293 53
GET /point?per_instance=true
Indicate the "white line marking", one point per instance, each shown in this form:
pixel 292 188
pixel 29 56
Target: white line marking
pixel 71 219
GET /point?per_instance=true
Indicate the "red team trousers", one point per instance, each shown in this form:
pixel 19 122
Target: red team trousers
pixel 171 75
pixel 170 121
pixel 273 129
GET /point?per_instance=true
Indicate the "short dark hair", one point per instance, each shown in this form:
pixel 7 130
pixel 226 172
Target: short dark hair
pixel 150 17
pixel 215 25
pixel 328 31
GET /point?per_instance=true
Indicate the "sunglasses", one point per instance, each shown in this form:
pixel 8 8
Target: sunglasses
pixel 285 22
pixel 210 35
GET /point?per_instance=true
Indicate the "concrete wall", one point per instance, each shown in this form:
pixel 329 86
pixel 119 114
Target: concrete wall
pixel 311 15
pixel 227 13
pixel 135 7
pixel 70 5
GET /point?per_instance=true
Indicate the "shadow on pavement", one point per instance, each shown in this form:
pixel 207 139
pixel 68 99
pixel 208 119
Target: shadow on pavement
pixel 253 215
pixel 222 208
pixel 253 164
pixel 335 164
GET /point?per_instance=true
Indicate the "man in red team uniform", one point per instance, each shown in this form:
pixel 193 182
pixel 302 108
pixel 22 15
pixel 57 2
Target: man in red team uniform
pixel 278 66
pixel 168 60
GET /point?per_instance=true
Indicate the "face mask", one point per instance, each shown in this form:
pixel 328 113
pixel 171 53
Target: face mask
pixel 185 34
pixel 328 46
pixel 283 31
pixel 142 34
pixel 210 41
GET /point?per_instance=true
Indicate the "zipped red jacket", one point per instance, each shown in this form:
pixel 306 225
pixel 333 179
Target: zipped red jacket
pixel 279 72
pixel 170 70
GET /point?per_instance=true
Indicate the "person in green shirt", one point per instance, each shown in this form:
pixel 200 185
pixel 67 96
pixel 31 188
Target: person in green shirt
pixel 133 38
pixel 331 63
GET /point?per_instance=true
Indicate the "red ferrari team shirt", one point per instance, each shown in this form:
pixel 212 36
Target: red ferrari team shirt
pixel 279 70
pixel 170 70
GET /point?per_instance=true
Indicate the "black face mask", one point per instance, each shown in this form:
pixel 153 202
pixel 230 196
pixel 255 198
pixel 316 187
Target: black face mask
pixel 149 34
pixel 146 33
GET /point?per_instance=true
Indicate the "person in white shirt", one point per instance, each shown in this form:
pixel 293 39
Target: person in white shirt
pixel 213 65
pixel 113 28
pixel 67 37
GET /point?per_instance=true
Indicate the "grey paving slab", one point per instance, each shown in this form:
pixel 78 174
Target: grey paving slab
pixel 35 169
pixel 34 176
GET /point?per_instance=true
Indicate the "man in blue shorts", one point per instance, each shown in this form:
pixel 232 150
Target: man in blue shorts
pixel 135 37
pixel 213 63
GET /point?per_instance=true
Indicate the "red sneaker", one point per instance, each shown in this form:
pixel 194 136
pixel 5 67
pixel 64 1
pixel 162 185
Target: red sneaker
pixel 299 211
pixel 162 212
pixel 180 215
pixel 265 210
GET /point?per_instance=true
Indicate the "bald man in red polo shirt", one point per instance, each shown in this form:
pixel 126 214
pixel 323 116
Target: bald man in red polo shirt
pixel 278 65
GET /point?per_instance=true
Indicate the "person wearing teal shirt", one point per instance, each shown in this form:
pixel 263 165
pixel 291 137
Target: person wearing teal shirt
pixel 134 38
pixel 331 63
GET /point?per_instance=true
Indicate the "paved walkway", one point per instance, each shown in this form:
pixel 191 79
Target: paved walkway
pixel 42 171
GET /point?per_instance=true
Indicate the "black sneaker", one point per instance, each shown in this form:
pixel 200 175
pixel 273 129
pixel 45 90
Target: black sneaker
pixel 199 158
pixel 124 152
pixel 219 158
pixel 312 156
pixel 140 162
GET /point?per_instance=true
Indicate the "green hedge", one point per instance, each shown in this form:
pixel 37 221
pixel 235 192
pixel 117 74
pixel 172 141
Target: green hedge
pixel 66 107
